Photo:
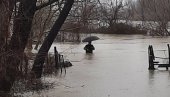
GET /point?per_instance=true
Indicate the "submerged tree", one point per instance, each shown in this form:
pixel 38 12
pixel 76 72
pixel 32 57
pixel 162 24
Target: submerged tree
pixel 39 60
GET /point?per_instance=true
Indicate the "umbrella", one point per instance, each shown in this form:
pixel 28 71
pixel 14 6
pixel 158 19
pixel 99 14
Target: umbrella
pixel 90 38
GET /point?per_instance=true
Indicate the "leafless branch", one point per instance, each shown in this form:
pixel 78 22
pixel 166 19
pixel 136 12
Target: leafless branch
pixel 46 4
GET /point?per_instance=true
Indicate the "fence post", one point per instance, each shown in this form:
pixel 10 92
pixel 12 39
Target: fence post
pixel 60 64
pixel 56 57
pixel 151 58
pixel 168 56
pixel 63 64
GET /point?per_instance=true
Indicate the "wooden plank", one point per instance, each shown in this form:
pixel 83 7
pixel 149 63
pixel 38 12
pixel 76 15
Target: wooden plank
pixel 164 65
pixel 155 61
pixel 161 64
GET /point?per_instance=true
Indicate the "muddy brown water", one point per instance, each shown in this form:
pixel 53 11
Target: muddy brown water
pixel 117 68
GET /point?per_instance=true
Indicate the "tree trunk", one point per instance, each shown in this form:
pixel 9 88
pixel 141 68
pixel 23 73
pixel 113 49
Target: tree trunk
pixel 6 8
pixel 42 53
pixel 22 27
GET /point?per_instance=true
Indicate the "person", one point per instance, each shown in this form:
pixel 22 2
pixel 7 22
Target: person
pixel 89 48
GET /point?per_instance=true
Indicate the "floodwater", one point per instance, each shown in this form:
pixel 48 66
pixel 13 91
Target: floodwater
pixel 117 68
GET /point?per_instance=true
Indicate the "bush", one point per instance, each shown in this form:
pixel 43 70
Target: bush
pixel 121 28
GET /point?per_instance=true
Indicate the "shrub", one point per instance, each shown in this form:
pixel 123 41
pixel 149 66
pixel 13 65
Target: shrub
pixel 121 28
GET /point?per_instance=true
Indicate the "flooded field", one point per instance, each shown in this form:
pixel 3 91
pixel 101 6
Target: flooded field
pixel 117 68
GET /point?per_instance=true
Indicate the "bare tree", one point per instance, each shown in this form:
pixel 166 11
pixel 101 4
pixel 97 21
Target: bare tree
pixel 24 13
pixel 39 60
pixel 6 8
pixel 157 12
pixel 84 14
pixel 110 11
pixel 43 21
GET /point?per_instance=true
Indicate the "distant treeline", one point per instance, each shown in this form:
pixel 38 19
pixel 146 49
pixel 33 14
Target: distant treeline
pixel 120 28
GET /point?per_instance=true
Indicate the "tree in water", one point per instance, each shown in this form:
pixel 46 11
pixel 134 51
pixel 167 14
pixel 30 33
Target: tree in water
pixel 23 15
pixel 42 53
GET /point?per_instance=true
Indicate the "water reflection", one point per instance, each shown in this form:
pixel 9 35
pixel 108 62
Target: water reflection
pixel 151 77
pixel 89 56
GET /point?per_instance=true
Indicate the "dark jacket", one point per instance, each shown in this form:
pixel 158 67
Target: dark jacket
pixel 89 48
